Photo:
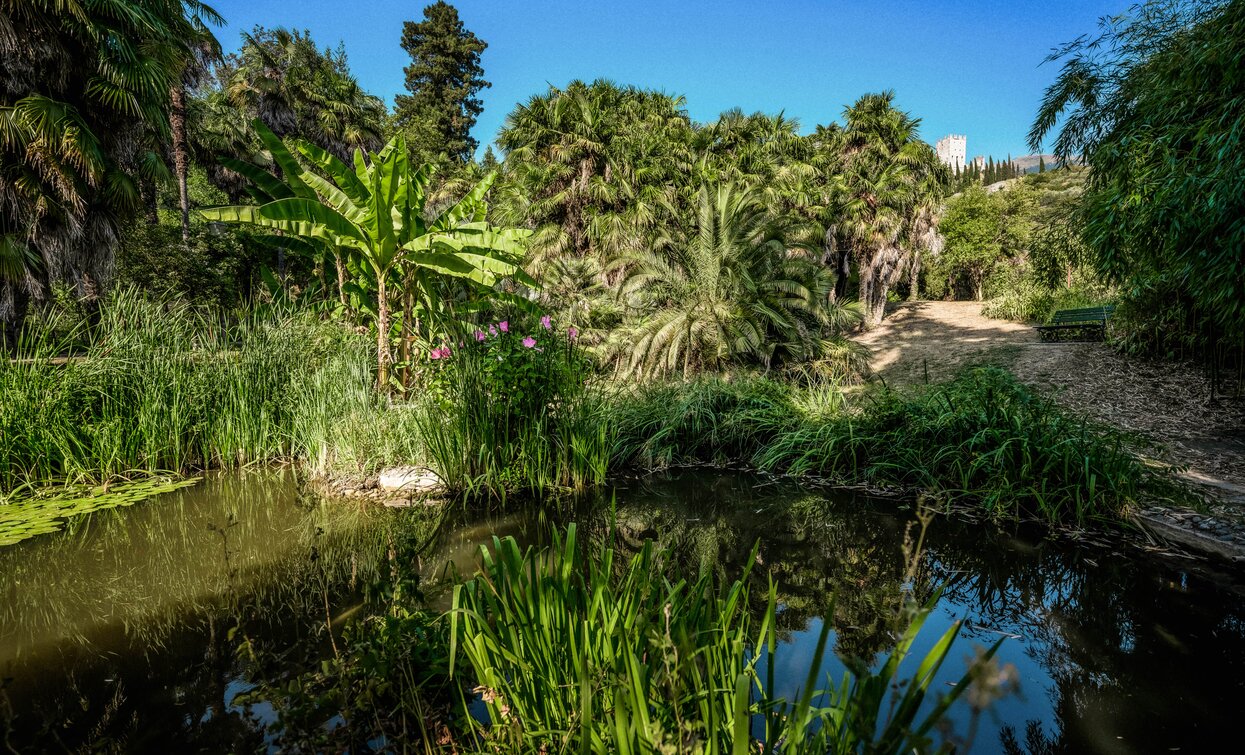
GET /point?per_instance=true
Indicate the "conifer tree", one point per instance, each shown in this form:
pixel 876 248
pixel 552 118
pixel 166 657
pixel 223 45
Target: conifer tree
pixel 443 79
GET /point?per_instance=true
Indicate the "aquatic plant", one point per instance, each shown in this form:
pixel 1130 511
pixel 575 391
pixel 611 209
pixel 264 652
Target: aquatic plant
pixel 170 387
pixel 29 512
pixel 578 653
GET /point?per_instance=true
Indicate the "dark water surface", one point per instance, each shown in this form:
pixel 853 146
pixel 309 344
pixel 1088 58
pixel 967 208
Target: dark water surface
pixel 127 630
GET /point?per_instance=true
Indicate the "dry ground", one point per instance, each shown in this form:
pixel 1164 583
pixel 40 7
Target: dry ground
pixel 1167 403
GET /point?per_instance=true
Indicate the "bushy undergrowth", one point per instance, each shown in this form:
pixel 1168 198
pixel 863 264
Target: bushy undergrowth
pixel 1017 295
pixel 982 438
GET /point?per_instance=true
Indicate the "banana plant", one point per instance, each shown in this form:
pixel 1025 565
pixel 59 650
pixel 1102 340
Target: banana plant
pixel 375 212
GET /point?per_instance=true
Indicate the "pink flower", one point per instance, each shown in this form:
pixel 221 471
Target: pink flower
pixel 504 326
pixel 529 342
pixel 492 330
pixel 479 335
pixel 545 322
pixel 573 332
pixel 435 354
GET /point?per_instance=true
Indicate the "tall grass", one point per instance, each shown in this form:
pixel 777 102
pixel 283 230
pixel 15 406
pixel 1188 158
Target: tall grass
pixel 582 654
pixel 168 386
pixel 982 438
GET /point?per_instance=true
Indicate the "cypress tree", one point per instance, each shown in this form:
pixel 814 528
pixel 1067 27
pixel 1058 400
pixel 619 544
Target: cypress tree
pixel 443 79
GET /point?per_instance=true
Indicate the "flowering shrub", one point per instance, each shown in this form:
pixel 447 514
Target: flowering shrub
pixel 505 397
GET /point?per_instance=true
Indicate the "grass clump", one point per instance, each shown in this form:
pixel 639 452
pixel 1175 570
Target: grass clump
pixel 167 386
pixel 982 438
pixel 711 419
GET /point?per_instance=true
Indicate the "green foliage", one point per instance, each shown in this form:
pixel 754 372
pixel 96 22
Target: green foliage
pixel 24 515
pixel 981 229
pixel 579 653
pixel 282 78
pixel 375 213
pixel 512 411
pixel 1153 103
pixel 1017 291
pixel 84 114
pixel 983 439
pixel 442 80
pixel 709 419
pixel 725 289
pixel 172 387
pixel 213 267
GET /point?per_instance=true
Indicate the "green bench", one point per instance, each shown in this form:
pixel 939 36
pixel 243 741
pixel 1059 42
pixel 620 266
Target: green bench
pixel 1089 323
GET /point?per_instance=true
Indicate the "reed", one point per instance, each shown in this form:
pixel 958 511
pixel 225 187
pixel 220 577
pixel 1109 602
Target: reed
pixel 982 439
pixel 577 653
pixel 170 387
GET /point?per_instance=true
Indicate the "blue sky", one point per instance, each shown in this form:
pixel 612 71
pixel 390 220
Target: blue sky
pixel 968 67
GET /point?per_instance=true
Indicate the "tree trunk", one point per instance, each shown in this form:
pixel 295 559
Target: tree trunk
pixel 181 156
pixel 408 335
pixel 341 278
pixel 876 278
pixel 14 303
pixel 914 276
pixel 383 356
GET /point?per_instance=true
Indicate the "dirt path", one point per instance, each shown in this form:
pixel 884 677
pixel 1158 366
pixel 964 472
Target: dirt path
pixel 939 337
pixel 1164 402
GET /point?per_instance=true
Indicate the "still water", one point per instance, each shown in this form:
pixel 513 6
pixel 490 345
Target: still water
pixel 123 633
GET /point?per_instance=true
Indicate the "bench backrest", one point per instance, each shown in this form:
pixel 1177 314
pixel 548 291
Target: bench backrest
pixel 1088 314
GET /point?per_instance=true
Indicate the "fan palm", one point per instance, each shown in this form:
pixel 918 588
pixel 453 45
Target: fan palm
pixel 84 106
pixel 280 77
pixel 887 175
pixel 728 288
pixel 587 166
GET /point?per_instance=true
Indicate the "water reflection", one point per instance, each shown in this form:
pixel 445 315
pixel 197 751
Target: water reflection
pixel 137 615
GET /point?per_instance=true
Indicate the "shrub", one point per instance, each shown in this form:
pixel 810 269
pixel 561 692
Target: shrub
pixel 510 408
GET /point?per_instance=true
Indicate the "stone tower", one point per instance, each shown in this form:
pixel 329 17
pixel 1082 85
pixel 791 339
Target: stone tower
pixel 952 150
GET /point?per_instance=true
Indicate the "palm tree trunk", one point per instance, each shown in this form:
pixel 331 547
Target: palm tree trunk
pixel 873 292
pixel 384 358
pixel 181 156
pixel 914 275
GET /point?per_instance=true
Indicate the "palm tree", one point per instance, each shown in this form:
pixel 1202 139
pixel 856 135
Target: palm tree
pixel 202 51
pixel 587 165
pixel 727 288
pixel 281 78
pixel 84 114
pixel 887 175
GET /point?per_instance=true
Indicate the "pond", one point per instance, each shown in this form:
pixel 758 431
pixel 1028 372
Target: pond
pixel 125 631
